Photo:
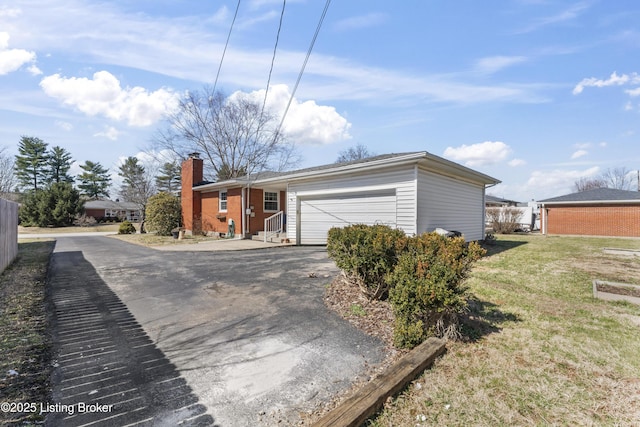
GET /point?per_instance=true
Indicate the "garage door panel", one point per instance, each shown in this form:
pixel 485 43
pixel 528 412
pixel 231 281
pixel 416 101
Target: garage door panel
pixel 318 215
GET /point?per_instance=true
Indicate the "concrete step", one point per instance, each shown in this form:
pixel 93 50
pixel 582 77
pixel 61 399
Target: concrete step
pixel 276 238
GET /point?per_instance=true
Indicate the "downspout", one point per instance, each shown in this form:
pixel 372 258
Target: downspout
pixel 242 206
pixel 248 204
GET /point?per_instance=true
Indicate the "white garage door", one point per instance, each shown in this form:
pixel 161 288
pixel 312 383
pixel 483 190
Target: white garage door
pixel 319 214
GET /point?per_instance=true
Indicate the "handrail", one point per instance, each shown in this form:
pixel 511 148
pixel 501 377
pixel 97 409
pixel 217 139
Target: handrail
pixel 273 225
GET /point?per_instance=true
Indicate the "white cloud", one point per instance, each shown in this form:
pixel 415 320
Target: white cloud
pixel 306 122
pixel 12 59
pixel 151 43
pixel 34 70
pixel 493 64
pixel 546 184
pixel 613 80
pixel 633 92
pixel 7 12
pixel 484 153
pixel 360 21
pixel 103 95
pixel 578 154
pixel 110 132
pixel 64 125
pixel 516 162
pixel 566 15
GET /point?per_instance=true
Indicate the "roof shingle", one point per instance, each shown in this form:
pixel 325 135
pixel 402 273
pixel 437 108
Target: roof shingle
pixel 596 195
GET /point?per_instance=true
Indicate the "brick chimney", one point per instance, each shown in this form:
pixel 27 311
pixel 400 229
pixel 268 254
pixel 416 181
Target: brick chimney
pixel 192 173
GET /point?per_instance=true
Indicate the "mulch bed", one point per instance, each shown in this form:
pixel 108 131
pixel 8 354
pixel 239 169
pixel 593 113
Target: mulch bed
pixel 619 290
pixel 374 318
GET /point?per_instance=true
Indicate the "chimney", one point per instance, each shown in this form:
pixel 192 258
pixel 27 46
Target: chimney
pixel 192 173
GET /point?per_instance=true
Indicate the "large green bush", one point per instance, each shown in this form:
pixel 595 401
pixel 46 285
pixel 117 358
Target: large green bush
pixel 366 254
pixel 427 291
pixel 163 213
pixel 57 206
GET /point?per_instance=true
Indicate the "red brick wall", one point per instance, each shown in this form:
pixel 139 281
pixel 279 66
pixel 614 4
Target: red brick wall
pixel 96 213
pixel 210 205
pixel 601 220
pixel 256 200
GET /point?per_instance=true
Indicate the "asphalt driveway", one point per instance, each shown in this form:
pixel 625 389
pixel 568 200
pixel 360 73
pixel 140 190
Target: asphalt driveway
pixel 237 338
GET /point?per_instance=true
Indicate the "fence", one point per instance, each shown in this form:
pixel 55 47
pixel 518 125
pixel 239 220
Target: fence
pixel 8 233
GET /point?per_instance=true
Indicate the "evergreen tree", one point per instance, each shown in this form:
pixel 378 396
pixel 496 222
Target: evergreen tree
pixel 94 181
pixel 169 178
pixel 59 163
pixel 31 163
pixel 56 205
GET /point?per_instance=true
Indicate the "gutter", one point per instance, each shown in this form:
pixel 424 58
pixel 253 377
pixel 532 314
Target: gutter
pixel 592 202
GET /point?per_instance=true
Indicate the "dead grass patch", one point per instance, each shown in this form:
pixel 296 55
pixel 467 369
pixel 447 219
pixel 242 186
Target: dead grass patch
pixel 24 338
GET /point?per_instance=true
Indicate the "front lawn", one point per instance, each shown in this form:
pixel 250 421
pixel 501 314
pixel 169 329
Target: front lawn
pixel 540 349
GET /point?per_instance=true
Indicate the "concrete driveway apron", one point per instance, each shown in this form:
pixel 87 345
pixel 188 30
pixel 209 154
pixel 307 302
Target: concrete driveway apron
pixel 247 330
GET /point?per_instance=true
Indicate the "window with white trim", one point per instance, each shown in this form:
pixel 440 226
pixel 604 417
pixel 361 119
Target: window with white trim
pixel 222 201
pixel 271 201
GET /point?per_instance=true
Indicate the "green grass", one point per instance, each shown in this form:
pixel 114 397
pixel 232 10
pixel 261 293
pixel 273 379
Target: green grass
pixel 357 310
pixel 24 335
pixel 541 350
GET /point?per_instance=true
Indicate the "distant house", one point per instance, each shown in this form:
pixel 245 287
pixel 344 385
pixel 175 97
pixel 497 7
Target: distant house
pixel 598 212
pixel 497 202
pixel 416 192
pixel 106 209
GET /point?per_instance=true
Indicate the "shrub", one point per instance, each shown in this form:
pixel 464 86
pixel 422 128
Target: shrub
pixel 57 206
pixel 163 213
pixel 503 220
pixel 126 228
pixel 84 220
pixel 366 254
pixel 427 292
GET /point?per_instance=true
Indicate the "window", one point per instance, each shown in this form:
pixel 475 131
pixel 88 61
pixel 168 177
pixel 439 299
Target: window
pixel 222 201
pixel 270 201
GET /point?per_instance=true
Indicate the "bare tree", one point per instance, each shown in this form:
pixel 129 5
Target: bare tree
pixel 618 178
pixel 8 179
pixel 357 152
pixel 584 184
pixel 137 185
pixel 236 135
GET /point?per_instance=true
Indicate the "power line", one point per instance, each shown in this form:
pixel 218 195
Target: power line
pixel 224 51
pixel 304 65
pixel 273 58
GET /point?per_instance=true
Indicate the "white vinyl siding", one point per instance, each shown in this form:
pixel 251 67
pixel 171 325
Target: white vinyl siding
pixel 450 204
pixel 398 179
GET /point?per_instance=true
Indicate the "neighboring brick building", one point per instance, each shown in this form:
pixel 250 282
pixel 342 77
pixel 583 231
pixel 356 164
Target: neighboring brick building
pixel 598 212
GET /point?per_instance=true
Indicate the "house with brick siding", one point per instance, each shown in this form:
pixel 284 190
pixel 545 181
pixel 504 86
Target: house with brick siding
pixel 109 209
pixel 597 212
pixel 415 192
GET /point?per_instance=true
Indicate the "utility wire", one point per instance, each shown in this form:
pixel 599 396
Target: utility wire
pixel 273 58
pixel 225 47
pixel 304 65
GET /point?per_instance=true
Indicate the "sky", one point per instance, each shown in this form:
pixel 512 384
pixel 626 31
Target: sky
pixel 536 93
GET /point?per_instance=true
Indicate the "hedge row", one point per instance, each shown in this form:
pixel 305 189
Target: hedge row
pixel 422 276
